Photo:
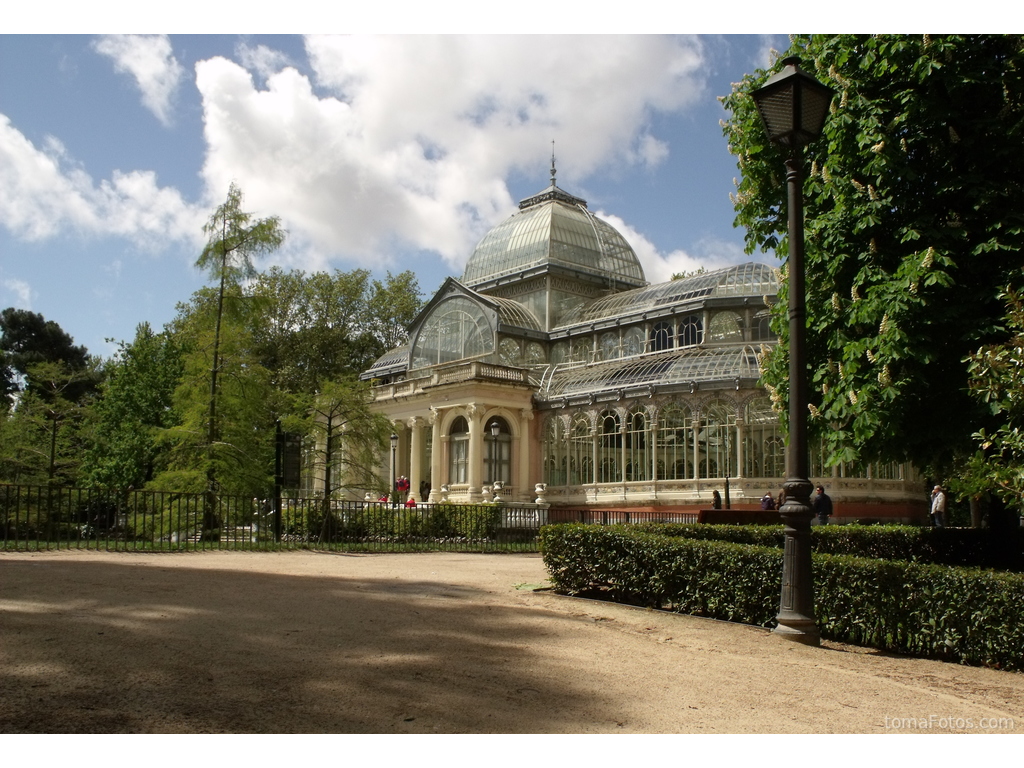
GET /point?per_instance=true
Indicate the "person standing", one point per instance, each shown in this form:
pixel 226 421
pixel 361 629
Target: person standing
pixel 716 500
pixel 938 507
pixel 822 505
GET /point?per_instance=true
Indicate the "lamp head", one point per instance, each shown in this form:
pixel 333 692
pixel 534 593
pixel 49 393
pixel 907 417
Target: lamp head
pixel 792 105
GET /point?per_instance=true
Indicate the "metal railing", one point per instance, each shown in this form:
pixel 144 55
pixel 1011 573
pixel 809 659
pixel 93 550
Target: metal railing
pixel 598 516
pixel 44 517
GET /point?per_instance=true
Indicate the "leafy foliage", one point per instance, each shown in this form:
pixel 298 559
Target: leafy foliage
pixel 958 614
pixel 135 405
pixel 914 218
pixel 997 379
pixel 27 339
pixel 234 240
pixel 972 548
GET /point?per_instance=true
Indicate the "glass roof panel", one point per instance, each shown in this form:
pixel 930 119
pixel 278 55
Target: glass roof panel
pixel 396 359
pixel 511 312
pixel 676 367
pixel 750 279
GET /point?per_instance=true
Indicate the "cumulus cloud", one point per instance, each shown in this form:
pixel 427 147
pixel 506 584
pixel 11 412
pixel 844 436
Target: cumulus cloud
pixel 262 60
pixel 19 290
pixel 404 143
pixel 150 60
pixel 659 267
pixel 46 193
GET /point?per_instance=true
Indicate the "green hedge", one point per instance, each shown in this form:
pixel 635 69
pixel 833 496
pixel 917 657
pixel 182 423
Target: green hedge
pixel 958 614
pixel 969 547
pixel 381 521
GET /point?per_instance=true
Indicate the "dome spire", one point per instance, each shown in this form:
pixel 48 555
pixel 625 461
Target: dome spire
pixel 552 192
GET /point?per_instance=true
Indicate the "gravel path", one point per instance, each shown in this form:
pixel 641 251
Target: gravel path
pixel 95 642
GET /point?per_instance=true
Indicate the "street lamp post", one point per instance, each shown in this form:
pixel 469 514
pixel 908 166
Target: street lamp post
pixel 793 107
pixel 394 452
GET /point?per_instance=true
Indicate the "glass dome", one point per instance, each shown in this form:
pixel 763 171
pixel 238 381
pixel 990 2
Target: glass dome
pixel 554 227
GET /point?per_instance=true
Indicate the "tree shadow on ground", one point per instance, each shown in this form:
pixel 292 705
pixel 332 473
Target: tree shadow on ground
pixel 104 647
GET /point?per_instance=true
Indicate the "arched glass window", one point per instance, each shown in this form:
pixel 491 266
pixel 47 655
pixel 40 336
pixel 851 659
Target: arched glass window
pixel 559 352
pixel 632 342
pixel 725 326
pixel 457 328
pixel 580 349
pixel 675 443
pixel 638 453
pixel 555 456
pixel 762 330
pixel 497 452
pixel 609 345
pixel 581 452
pixel 534 353
pixel 691 331
pixel 510 353
pixel 609 449
pixel 661 336
pixel 716 441
pixel 763 448
pixel 458 452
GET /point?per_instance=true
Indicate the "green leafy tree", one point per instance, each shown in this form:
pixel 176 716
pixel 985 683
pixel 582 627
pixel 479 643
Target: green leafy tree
pixel 346 437
pixel 47 385
pixel 135 405
pixel 240 460
pixel 914 219
pixel 234 240
pixel 46 434
pixel 393 305
pixel 309 328
pixel 997 379
pixel 26 339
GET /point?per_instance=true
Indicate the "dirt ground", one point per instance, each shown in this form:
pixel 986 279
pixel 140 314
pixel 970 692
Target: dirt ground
pixel 303 642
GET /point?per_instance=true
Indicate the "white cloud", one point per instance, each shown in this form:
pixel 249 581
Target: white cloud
pixel 45 193
pixel 411 147
pixel 261 59
pixel 20 291
pixel 659 267
pixel 150 60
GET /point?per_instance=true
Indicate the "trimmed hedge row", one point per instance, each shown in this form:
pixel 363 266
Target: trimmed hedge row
pixel 381 521
pixel 967 547
pixel 956 614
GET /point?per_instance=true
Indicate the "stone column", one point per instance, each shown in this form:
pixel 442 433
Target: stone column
pixel 415 457
pixel 522 477
pixel 474 415
pixel 436 455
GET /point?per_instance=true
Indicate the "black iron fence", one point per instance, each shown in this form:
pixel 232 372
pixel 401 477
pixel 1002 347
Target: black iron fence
pixel 51 517
pixel 42 517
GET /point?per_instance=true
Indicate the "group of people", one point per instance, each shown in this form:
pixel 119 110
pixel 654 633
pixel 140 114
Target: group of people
pixel 821 503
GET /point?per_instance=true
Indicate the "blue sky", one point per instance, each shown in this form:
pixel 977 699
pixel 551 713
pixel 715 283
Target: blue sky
pixel 388 153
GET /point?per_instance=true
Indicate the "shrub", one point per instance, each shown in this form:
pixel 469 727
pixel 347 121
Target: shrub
pixel 960 614
pixel 969 547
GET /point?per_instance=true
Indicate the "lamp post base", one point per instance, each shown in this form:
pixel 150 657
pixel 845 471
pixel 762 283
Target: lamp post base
pixel 798 630
pixel 796 607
